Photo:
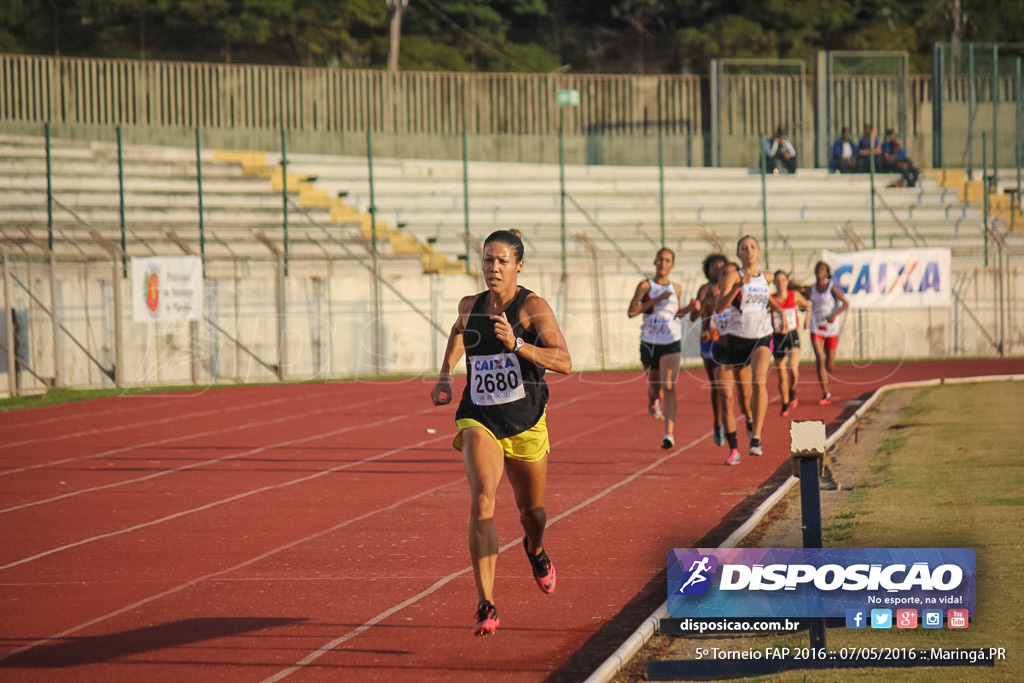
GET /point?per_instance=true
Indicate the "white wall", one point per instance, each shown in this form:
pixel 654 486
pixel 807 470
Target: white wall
pixel 329 323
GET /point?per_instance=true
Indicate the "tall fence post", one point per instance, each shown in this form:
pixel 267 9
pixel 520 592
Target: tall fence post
pixel 1017 140
pixel 763 159
pixel 995 115
pixel 970 111
pixel 376 333
pixel 465 197
pixel 49 188
pixel 12 362
pixel 284 193
pixel 984 191
pixel 199 192
pixel 58 375
pixel 871 169
pixel 938 95
pixel 120 201
pixel 661 182
pixel 116 282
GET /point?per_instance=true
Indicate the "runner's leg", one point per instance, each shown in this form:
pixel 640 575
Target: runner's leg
pixel 484 461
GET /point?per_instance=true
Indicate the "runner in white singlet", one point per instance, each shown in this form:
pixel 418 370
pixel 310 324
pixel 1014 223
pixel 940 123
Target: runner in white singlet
pixel 746 291
pixel 827 302
pixel 658 299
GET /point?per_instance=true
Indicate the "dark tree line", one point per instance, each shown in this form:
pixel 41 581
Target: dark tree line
pixel 608 36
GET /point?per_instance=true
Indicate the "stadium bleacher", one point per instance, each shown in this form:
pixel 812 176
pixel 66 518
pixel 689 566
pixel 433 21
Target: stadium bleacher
pixel 421 211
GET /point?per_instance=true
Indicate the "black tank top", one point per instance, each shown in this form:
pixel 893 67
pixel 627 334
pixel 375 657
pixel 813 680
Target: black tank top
pixel 504 392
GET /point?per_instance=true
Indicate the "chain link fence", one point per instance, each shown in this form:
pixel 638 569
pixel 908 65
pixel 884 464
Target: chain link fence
pixel 69 322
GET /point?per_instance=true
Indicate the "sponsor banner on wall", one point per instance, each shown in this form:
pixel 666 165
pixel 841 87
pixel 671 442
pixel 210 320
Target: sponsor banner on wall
pixel 817 582
pixel 167 288
pixel 893 278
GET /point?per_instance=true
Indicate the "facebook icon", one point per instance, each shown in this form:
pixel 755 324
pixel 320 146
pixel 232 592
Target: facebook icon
pixel 855 618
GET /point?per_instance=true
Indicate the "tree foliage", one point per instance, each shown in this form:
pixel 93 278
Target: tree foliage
pixel 637 36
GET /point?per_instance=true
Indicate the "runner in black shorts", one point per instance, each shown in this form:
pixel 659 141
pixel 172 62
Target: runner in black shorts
pixel 746 292
pixel 658 300
pixel 786 322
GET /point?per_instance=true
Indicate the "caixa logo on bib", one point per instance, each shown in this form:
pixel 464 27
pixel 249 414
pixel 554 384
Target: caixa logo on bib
pixel 805 582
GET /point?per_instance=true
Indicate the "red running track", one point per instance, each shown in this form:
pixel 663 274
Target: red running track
pixel 317 532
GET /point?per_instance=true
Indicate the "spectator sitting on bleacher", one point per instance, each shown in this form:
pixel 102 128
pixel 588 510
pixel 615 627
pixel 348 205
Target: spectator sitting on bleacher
pixel 844 158
pixel 865 149
pixel 894 160
pixel 780 155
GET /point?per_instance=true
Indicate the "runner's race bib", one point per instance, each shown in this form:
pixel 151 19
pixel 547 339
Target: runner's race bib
pixel 496 379
pixel 821 320
pixel 657 326
pixel 785 321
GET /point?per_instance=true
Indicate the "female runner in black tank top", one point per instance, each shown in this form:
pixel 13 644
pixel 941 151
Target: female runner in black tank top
pixel 510 337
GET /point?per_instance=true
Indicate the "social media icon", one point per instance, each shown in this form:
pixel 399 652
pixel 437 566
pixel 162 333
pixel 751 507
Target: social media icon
pixel 931 618
pixel 906 618
pixel 881 618
pixel 856 618
pixel 957 618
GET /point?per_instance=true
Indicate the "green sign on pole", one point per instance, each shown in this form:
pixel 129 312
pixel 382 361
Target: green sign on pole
pixel 569 98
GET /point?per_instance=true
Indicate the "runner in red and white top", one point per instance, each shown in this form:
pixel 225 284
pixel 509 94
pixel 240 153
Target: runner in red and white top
pixel 786 322
pixel 827 302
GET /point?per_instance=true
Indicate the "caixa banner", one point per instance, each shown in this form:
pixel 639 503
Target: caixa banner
pixel 892 278
pixel 816 582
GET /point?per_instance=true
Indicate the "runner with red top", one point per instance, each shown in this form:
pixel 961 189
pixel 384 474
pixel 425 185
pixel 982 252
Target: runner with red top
pixel 510 338
pixel 827 302
pixel 786 337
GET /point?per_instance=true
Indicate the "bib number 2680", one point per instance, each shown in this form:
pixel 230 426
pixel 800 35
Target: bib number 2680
pixel 496 379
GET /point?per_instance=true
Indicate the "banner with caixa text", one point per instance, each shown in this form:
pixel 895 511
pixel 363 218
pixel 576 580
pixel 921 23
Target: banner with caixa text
pixel 167 288
pixel 892 278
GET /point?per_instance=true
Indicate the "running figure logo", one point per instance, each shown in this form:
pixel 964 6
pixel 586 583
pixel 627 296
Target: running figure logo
pixel 697 567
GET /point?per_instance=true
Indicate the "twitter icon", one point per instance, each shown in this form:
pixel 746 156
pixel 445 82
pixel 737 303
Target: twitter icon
pixel 881 618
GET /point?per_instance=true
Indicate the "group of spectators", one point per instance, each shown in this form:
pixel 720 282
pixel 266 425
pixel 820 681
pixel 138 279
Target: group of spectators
pixel 890 156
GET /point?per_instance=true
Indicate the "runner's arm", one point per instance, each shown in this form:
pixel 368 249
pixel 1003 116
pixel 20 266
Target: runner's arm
pixel 551 351
pixel 844 304
pixel 441 393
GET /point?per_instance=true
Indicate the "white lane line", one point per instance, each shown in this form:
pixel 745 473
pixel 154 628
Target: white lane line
pixel 292 544
pixel 183 438
pixel 134 425
pixel 330 646
pixel 13 419
pixel 240 496
pixel 241 565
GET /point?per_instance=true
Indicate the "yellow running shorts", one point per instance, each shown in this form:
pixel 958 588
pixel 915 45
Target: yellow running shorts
pixel 528 446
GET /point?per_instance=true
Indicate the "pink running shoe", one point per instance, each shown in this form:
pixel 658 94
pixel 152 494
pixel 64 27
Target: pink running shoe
pixel 826 400
pixel 543 571
pixel 734 457
pixel 486 619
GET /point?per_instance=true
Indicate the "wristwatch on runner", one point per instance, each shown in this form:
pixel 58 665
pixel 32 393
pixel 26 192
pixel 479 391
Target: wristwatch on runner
pixel 519 345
